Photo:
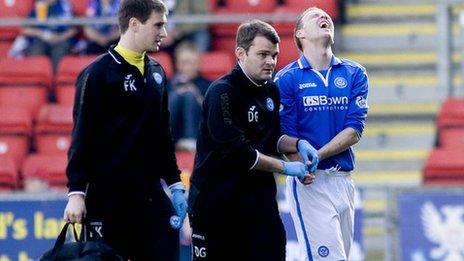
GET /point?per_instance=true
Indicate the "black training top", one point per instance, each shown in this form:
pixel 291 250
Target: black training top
pixel 237 119
pixel 121 138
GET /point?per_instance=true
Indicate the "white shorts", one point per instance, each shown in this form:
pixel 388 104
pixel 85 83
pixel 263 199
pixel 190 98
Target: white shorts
pixel 323 215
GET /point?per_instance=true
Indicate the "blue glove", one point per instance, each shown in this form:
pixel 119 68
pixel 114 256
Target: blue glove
pixel 179 203
pixel 306 150
pixel 294 168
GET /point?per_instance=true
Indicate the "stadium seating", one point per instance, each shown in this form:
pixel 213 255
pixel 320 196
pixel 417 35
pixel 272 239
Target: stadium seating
pixel 4 48
pixel 288 52
pixel 165 60
pixel 27 97
pixel 31 70
pixel 53 129
pixel 215 64
pixel 185 160
pixel 79 7
pixel 242 7
pixel 8 173
pixel 65 94
pixel 224 44
pixel 451 138
pixel 451 114
pixel 49 168
pixel 444 167
pixel 15 129
pixel 13 9
pixel 69 68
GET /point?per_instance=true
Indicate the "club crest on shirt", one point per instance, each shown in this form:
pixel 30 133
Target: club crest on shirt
pixel 158 78
pixel 269 104
pixel 340 82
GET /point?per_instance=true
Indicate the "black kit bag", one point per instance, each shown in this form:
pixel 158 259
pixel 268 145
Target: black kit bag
pixel 79 250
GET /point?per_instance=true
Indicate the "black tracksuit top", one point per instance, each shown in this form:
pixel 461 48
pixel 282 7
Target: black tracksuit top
pixel 237 119
pixel 121 138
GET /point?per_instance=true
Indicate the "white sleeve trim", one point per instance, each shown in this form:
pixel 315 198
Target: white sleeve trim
pixel 278 143
pixel 76 193
pixel 256 160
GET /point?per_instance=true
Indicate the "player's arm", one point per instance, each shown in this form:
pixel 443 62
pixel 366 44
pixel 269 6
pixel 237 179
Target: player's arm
pixel 355 119
pixel 341 142
pixel 79 161
pixel 229 135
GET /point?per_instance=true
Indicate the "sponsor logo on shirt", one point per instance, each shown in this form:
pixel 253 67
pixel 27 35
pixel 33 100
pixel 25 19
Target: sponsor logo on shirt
pixel 307 85
pixel 324 100
pixel 323 103
pixel 361 102
pixel 340 82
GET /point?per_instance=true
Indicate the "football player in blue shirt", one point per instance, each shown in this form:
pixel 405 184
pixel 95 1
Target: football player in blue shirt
pixel 324 101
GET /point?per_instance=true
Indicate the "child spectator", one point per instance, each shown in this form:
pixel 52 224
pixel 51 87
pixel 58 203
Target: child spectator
pixel 186 96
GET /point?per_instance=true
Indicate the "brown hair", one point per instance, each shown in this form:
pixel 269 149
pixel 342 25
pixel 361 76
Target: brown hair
pixel 248 31
pixel 140 9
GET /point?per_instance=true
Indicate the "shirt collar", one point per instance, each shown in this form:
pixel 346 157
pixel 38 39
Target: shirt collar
pixel 249 78
pixel 120 60
pixel 303 63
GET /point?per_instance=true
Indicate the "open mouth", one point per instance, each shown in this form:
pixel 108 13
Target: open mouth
pixel 324 25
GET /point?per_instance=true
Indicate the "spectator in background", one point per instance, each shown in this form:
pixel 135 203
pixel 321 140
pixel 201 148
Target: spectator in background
pixel 52 40
pixel 186 96
pixel 197 33
pixel 101 36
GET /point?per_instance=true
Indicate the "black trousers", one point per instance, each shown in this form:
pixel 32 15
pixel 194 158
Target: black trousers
pixel 237 235
pixel 137 230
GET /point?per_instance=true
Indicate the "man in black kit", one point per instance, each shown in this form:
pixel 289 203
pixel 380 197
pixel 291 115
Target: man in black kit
pixel 232 203
pixel 122 145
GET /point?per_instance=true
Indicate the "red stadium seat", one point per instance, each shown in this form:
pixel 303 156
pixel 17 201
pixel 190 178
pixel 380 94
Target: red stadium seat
pixel 27 97
pixel 215 64
pixel 54 118
pixel 15 120
pixel 165 60
pixel 4 48
pixel 70 66
pixel 65 94
pixel 185 161
pixel 49 168
pixel 450 138
pixel 79 7
pixel 224 44
pixel 31 70
pixel 445 167
pixel 247 7
pixel 15 146
pixel 288 52
pixel 52 143
pixel 451 114
pixel 13 9
pixel 15 129
pixel 9 177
